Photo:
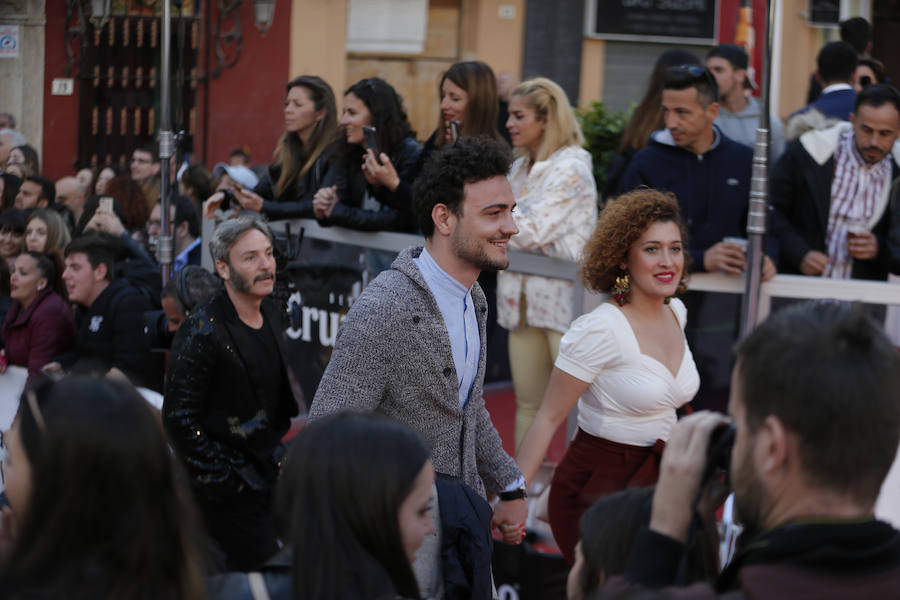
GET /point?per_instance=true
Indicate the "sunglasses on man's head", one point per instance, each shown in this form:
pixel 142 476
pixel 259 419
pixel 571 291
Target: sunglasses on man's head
pixel 697 73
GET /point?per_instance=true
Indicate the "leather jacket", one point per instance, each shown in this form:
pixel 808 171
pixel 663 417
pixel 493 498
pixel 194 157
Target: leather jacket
pixel 228 437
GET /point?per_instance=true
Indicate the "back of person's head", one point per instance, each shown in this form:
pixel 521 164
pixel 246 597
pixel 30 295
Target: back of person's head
pixel 186 212
pixel 57 232
pixel 197 181
pixel 482 104
pixel 608 531
pixel 551 106
pixel 295 157
pixel 446 172
pixel 337 503
pixel 386 107
pixel 876 96
pixel 98 248
pixel 648 116
pixel 130 197
pixel 49 266
pixel 229 232
pixel 191 287
pixel 11 185
pixel 103 511
pixel 857 32
pixel 48 188
pixel 683 77
pixel 836 62
pixel 827 371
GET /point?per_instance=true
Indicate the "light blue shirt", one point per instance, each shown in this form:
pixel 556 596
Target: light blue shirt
pixel 181 260
pixel 458 310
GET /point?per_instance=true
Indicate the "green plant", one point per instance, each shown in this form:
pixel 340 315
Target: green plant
pixel 602 130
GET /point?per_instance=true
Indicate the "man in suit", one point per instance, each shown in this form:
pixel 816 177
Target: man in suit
pixel 230 395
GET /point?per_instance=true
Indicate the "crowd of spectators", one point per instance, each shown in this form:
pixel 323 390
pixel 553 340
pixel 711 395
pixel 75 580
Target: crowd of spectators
pixel 102 502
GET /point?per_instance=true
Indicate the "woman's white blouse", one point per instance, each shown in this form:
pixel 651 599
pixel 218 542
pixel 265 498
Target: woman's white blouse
pixel 632 397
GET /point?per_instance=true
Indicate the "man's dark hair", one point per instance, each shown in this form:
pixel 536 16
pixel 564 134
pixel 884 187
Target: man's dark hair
pixel 857 32
pixel 186 212
pixel 48 188
pixel 447 171
pixel 152 149
pixel 829 373
pixel 693 76
pixel 99 248
pixel 836 62
pixel 876 95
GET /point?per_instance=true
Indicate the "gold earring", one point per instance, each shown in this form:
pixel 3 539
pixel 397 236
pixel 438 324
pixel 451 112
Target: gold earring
pixel 621 288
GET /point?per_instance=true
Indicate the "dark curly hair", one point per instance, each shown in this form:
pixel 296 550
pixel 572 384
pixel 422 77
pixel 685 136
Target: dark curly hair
pixel 622 221
pixel 388 118
pixel 446 172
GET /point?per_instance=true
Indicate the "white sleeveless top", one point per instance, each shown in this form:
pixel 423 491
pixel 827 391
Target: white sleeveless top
pixel 632 397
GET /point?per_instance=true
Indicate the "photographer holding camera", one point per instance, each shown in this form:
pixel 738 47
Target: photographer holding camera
pixel 815 400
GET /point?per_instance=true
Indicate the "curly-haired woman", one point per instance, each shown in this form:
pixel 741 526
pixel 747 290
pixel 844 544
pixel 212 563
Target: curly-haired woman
pixel 626 363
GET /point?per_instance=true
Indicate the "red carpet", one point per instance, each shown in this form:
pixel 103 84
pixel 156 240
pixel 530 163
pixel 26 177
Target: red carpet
pixel 501 403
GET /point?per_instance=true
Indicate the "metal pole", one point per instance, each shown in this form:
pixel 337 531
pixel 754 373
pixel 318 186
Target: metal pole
pixel 165 249
pixel 759 192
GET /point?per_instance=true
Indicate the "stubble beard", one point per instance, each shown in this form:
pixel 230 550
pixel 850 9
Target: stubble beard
pixel 470 251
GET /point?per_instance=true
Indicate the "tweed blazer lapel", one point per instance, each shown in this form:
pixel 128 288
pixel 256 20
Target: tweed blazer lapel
pixel 441 351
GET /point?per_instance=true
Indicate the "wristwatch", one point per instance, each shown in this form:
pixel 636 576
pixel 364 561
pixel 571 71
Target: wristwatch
pixel 513 494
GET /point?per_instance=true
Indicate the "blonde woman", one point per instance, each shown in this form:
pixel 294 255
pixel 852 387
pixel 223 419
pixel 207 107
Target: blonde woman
pixel 556 210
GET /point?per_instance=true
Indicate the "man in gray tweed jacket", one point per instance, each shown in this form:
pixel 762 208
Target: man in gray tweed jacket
pixel 413 344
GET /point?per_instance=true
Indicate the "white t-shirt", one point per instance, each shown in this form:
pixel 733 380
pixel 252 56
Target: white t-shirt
pixel 632 397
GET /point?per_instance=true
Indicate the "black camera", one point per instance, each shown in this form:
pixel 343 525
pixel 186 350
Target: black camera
pixel 718 453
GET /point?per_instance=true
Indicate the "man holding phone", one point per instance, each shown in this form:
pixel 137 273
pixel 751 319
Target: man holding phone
pixel 815 400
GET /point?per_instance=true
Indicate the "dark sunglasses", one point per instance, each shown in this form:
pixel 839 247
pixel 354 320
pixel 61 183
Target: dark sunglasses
pixel 698 73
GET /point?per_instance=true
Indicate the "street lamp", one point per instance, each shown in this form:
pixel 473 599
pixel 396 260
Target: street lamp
pixel 263 12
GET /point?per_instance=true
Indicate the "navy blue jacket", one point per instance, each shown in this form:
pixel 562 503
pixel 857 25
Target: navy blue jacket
pixel 713 189
pixel 834 105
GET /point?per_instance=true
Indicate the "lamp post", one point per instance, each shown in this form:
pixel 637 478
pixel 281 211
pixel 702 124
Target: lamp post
pixel 759 192
pixel 165 249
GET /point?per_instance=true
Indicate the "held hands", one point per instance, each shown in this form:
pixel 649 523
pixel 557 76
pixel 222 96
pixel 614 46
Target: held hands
pixel 509 519
pixel 680 471
pixel 380 175
pixel 324 201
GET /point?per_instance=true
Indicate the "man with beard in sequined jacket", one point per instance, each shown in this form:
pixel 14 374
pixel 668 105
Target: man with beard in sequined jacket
pixel 230 394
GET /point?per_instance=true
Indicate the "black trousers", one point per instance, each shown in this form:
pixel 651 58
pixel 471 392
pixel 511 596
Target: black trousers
pixel 241 527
